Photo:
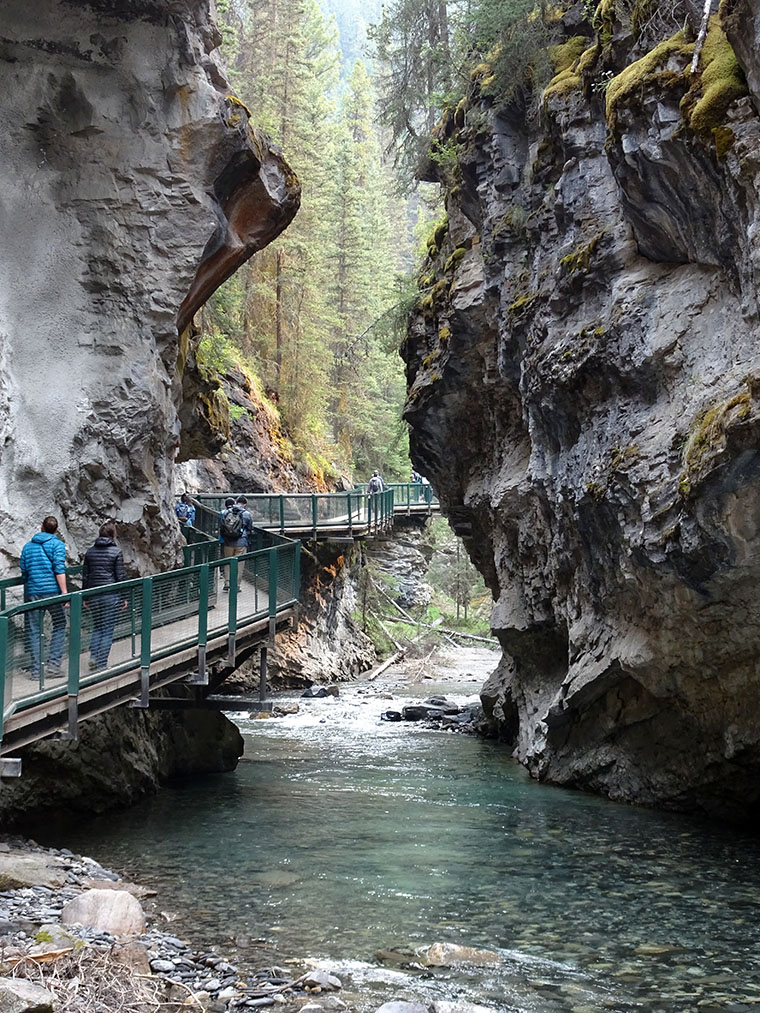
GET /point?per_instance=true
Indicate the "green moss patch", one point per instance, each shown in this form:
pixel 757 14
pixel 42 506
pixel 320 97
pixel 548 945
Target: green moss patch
pixel 454 259
pixel 707 436
pixel 650 69
pixel 721 82
pixel 580 258
pixel 564 56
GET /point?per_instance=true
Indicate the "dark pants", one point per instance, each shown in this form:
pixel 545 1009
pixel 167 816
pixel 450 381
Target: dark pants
pixel 33 620
pixel 103 610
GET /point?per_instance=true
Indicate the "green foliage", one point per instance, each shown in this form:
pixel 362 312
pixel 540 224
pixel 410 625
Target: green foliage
pixel 237 412
pixel 317 314
pixel 460 592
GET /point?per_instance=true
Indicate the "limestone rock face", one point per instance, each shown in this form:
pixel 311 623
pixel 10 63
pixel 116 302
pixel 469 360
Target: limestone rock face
pixel 120 756
pixel 329 644
pixel 132 185
pixel 584 394
pixel 404 556
pixel 253 459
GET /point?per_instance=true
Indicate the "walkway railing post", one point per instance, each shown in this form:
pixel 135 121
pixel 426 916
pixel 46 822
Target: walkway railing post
pixel 273 556
pixel 146 629
pixel 75 656
pixel 282 515
pixel 263 674
pixel 4 621
pixel 314 516
pixel 350 516
pixel 232 576
pixel 297 571
pixel 202 679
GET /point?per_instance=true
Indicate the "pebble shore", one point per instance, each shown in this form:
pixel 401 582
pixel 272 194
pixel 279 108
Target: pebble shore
pixel 30 927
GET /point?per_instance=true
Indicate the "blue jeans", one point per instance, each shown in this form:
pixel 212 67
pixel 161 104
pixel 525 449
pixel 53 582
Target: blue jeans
pixel 103 610
pixel 34 627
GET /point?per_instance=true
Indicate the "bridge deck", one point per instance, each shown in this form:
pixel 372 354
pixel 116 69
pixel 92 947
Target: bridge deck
pixel 173 626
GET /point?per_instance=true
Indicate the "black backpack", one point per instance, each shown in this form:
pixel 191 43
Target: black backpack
pixel 232 524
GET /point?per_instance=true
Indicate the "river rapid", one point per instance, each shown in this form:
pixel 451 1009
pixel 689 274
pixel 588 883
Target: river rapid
pixel 341 837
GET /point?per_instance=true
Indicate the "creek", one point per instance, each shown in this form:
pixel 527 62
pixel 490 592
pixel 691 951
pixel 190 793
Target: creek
pixel 339 836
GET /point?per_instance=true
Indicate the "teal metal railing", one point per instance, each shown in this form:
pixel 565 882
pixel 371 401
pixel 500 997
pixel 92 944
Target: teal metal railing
pixel 353 511
pixel 156 617
pixel 409 494
pixel 12 588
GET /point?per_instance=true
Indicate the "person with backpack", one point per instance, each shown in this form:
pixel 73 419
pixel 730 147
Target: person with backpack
pixel 185 511
pixel 103 564
pixel 376 483
pixel 43 567
pixel 235 525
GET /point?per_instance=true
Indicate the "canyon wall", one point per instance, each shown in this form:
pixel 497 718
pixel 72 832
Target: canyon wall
pixel 132 185
pixel 584 394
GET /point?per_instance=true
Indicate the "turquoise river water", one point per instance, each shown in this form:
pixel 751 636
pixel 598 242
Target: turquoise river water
pixel 339 836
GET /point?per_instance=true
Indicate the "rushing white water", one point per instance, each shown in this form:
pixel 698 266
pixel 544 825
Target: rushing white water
pixel 341 835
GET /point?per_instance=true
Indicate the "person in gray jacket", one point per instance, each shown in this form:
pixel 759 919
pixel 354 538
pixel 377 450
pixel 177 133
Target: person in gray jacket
pixel 103 565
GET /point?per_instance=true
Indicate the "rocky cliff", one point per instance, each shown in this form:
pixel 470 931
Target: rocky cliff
pixel 120 756
pixel 584 393
pixel 132 185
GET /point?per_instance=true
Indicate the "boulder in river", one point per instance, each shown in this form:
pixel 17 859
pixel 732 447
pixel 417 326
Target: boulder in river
pixel 421 711
pixel 324 1004
pixel 391 716
pixel 446 954
pixel 285 707
pixel 322 979
pixel 114 911
pixel 17 995
pixel 399 1006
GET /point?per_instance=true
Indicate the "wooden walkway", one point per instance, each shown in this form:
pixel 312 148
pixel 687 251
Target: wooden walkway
pixel 195 632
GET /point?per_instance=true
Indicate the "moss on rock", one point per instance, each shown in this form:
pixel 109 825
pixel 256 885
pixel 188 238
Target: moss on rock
pixel 721 82
pixel 651 68
pixel 454 259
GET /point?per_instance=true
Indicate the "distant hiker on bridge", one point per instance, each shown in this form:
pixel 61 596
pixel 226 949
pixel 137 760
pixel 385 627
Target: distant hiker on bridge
pixel 235 527
pixel 416 478
pixel 43 567
pixel 103 564
pixel 375 484
pixel 185 511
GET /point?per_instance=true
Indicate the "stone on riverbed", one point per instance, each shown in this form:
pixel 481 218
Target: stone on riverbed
pixel 22 868
pixel 282 707
pixel 322 979
pixel 119 884
pixel 324 1004
pixel 446 954
pixel 17 995
pixel 420 711
pixel 444 1006
pixel 114 911
pixel 399 1006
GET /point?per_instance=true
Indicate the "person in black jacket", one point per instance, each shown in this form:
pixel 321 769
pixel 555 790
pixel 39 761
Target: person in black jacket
pixel 103 564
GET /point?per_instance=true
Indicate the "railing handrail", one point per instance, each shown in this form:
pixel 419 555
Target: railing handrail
pixel 125 585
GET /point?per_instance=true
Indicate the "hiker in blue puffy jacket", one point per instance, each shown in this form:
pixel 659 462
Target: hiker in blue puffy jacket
pixel 43 567
pixel 185 511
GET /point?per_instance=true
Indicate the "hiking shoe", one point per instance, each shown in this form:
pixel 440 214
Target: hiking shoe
pixel 53 668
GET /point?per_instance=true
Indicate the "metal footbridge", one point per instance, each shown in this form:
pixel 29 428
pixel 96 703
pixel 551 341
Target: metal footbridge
pixel 182 626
